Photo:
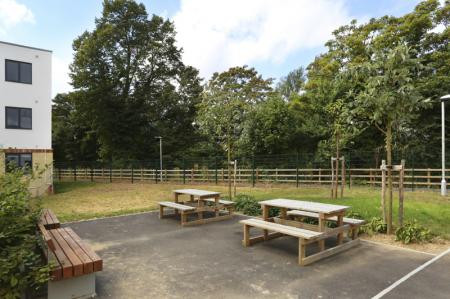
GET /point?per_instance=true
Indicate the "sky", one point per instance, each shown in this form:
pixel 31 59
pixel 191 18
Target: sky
pixel 273 36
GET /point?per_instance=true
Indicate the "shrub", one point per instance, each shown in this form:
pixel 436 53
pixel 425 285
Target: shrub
pixel 21 266
pixel 247 204
pixel 375 225
pixel 412 232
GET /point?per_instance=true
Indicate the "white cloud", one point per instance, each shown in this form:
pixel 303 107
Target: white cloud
pixel 216 35
pixel 13 13
pixel 60 74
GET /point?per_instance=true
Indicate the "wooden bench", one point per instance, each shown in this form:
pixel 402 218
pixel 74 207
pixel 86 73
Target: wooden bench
pixel 304 236
pixel 183 209
pixel 354 223
pixel 49 219
pixel 74 264
pixel 227 204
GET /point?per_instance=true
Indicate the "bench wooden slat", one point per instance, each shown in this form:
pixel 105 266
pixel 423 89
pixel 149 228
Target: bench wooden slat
pixel 97 261
pixel 77 264
pixel 47 237
pixel 284 229
pixel 62 259
pixel 49 219
pixel 88 264
pixel 176 206
pixel 221 201
pixel 351 221
pixel 56 273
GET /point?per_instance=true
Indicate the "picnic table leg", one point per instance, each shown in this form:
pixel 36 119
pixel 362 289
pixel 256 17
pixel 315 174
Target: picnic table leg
pixel 265 217
pixel 321 229
pixel 301 251
pixel 200 205
pixel 183 218
pixel 246 241
pixel 283 213
pixel 176 201
pixel 161 211
pixel 216 203
pixel 340 222
pixel 192 198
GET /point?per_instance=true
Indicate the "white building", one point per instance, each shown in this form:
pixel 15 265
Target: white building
pixel 25 111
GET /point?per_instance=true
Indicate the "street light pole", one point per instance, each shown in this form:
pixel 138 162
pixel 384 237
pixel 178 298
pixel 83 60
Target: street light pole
pixel 160 158
pixel 443 181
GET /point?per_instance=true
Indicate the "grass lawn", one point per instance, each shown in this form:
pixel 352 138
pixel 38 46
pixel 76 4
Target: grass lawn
pixel 84 200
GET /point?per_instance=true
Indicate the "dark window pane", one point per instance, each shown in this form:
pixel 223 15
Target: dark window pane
pixel 25 73
pixel 12 161
pixel 25 118
pixel 25 160
pixel 12 71
pixel 12 117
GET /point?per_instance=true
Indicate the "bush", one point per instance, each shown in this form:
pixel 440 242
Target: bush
pixel 411 232
pixel 375 225
pixel 21 266
pixel 247 204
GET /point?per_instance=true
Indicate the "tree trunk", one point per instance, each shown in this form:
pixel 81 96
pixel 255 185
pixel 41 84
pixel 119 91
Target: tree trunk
pixel 229 167
pixel 389 173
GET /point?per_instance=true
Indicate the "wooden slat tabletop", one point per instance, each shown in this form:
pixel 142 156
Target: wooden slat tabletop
pixel 304 205
pixel 196 192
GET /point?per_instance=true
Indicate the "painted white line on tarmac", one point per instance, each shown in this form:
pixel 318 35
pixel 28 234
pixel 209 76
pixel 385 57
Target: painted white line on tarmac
pixel 404 278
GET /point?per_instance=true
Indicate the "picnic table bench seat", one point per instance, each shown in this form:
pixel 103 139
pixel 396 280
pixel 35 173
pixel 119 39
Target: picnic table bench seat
pixel 49 219
pixel 221 201
pixel 73 261
pixel 353 222
pixel 304 236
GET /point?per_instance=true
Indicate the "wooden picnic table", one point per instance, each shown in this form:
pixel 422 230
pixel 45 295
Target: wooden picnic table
pixel 325 211
pixel 199 198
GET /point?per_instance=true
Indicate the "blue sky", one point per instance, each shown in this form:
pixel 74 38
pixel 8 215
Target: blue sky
pixel 272 36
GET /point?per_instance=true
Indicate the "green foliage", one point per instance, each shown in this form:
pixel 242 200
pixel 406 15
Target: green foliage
pixel 412 232
pixel 247 204
pixel 130 85
pixel 21 265
pixel 375 225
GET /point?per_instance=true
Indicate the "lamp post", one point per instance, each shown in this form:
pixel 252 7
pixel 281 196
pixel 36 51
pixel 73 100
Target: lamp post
pixel 443 182
pixel 160 158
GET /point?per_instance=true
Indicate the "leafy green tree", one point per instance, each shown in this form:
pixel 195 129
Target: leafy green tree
pixel 228 99
pixel 21 265
pixel 389 100
pixel 134 85
pixel 292 84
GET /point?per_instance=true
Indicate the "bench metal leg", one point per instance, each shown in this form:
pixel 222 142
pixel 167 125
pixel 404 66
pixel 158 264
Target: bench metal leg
pixel 75 287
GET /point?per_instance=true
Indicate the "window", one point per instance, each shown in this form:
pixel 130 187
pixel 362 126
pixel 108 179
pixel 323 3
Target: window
pixel 16 71
pixel 18 118
pixel 19 160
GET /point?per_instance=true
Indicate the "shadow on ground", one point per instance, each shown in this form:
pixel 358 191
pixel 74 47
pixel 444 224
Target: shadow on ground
pixel 145 257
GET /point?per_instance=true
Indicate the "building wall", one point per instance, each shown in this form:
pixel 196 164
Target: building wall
pixel 36 96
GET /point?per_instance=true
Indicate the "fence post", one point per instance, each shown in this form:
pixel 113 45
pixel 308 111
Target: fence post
pixel 184 172
pixel 412 175
pixel 428 178
pixel 59 173
pixel 253 171
pixel 156 176
pixel 132 174
pixel 92 174
pixel 110 172
pixel 215 172
pixel 296 170
pixel 74 172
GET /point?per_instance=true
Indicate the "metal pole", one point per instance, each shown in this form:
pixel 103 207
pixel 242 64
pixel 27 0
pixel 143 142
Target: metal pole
pixel 443 182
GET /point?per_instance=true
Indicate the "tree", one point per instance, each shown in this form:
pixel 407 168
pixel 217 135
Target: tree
pixel 134 85
pixel 228 99
pixel 389 100
pixel 292 84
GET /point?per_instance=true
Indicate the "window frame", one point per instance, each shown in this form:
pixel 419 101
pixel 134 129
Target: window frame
pixel 19 127
pixel 19 62
pixel 20 161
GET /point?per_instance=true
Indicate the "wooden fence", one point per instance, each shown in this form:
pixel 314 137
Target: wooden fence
pixel 414 178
